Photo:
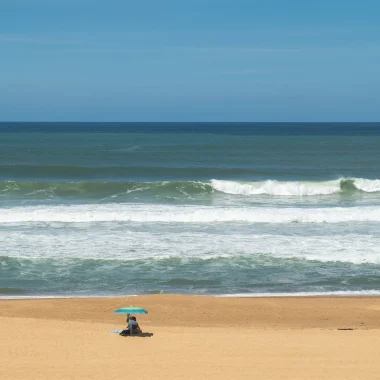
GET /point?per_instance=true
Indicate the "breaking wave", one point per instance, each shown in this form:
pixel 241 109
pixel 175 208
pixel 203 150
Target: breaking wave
pixel 297 188
pixel 118 190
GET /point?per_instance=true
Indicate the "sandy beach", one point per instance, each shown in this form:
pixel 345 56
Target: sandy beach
pixel 192 337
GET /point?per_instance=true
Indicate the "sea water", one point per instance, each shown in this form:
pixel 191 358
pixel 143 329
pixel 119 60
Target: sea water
pixel 101 209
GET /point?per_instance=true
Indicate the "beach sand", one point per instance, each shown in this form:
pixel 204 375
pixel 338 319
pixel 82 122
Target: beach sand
pixel 194 337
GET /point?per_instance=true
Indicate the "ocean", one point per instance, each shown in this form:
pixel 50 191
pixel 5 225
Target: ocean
pixel 226 209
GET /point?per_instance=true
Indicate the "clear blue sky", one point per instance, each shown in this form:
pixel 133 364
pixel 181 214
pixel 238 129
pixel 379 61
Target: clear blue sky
pixel 190 60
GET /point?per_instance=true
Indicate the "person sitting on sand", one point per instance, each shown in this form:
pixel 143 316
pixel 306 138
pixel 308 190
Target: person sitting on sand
pixel 132 328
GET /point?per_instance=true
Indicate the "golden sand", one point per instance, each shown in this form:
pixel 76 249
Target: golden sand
pixel 194 337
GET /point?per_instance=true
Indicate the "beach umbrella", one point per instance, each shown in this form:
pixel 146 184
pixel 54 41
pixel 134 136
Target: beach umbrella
pixel 131 310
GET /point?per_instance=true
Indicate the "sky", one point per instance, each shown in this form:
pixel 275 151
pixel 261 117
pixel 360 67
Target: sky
pixel 189 60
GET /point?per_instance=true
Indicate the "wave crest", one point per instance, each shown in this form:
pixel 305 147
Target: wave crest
pixel 183 189
pixel 297 188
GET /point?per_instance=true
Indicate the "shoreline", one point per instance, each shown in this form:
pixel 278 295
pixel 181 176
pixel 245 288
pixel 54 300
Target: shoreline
pixel 338 293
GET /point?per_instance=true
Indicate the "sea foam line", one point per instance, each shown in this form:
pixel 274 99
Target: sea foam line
pixel 115 249
pixel 338 293
pixel 144 213
pixel 295 188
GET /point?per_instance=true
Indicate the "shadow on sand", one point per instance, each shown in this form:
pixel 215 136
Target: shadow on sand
pixel 140 335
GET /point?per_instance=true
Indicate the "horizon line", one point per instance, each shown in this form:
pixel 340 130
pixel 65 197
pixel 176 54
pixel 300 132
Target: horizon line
pixel 186 122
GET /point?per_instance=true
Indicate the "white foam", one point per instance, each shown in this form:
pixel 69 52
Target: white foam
pixel 338 293
pixel 146 213
pixel 277 188
pixel 293 188
pixel 252 248
pixel 367 185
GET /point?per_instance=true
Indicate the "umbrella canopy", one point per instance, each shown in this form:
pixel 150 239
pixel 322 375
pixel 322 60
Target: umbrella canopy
pixel 131 310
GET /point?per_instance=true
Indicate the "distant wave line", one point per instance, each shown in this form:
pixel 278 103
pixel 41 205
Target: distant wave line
pixel 99 189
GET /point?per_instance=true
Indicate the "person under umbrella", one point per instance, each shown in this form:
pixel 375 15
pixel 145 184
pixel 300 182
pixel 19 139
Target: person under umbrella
pixel 132 328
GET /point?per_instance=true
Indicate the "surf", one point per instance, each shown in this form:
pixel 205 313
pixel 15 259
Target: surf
pixel 97 190
pixel 297 188
pixel 151 213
